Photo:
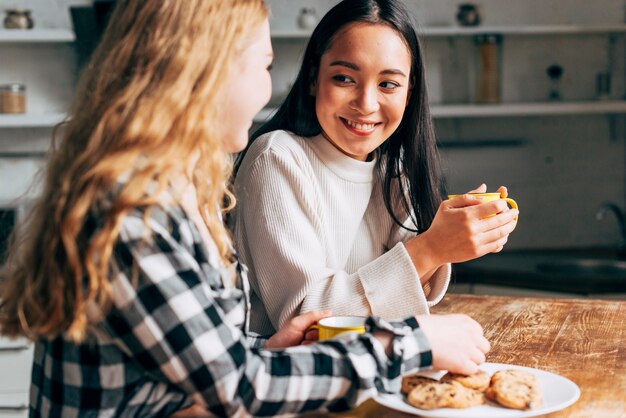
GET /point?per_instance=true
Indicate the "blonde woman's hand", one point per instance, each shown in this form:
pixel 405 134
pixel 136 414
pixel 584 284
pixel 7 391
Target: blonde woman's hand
pixel 296 331
pixel 457 342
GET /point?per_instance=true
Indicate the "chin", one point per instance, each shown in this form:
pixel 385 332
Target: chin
pixel 237 144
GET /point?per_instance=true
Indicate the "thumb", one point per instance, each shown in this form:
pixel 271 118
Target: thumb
pixel 309 318
pixel 480 189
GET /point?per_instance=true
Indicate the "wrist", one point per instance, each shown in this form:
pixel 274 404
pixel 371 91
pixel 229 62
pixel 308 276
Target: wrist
pixel 424 258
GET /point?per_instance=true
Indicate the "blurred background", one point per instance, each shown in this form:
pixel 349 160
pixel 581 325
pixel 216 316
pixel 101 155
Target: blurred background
pixel 525 93
pixel 529 94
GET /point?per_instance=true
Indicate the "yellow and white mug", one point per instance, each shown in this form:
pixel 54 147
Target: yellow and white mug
pixel 332 326
pixel 489 197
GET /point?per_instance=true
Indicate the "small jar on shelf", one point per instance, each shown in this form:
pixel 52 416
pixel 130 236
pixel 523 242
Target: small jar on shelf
pixel 489 69
pixel 13 98
pixel 18 19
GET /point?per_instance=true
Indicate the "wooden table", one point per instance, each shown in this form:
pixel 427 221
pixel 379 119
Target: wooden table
pixel 581 339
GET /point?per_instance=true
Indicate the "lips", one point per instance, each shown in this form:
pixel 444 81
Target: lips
pixel 360 127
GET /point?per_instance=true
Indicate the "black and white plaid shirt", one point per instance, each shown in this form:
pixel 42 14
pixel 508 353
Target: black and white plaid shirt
pixel 176 335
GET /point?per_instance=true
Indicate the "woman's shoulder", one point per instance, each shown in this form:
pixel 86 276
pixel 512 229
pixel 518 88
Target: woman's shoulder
pixel 278 146
pixel 278 141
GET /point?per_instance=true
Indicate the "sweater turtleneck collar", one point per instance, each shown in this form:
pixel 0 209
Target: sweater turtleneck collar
pixel 339 163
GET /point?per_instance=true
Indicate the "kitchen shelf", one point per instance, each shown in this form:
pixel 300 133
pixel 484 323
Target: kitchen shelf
pixel 524 30
pixel 529 109
pixel 36 35
pixel 510 109
pixel 31 120
pixel 291 34
pixel 439 31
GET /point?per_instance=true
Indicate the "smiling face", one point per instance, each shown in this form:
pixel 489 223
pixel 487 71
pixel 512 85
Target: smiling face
pixel 362 88
pixel 249 88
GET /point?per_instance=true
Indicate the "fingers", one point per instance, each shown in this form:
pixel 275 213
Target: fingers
pixel 307 319
pixel 483 344
pixel 504 192
pixel 463 201
pixel 312 335
pixel 480 189
pixel 490 208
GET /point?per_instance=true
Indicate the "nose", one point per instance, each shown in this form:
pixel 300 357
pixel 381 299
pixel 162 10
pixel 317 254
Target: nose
pixel 365 100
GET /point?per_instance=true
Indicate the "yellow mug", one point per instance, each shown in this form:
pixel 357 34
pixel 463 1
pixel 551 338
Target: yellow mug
pixel 488 197
pixel 332 326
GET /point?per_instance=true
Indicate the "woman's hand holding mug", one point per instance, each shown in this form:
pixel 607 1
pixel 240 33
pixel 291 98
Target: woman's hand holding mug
pixel 464 228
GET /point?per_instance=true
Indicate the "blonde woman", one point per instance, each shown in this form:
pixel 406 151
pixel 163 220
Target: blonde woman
pixel 125 276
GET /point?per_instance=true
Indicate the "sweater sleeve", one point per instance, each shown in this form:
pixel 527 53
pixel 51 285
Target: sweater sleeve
pixel 437 285
pixel 279 225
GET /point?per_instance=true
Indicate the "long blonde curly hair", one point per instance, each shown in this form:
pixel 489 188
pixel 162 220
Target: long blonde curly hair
pixel 148 102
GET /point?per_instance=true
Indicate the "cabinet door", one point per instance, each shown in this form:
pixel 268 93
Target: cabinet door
pixel 16 357
pixel 14 405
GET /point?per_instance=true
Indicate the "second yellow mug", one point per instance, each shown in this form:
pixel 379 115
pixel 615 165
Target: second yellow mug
pixel 332 326
pixel 488 197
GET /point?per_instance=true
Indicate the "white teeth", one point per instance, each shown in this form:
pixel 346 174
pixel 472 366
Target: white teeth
pixel 361 126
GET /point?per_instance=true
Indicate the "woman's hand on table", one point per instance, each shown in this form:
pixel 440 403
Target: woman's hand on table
pixel 296 331
pixel 194 411
pixel 457 342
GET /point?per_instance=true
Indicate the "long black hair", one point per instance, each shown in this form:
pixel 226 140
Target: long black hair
pixel 408 162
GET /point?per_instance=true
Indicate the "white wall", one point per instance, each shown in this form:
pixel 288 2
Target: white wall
pixel 567 166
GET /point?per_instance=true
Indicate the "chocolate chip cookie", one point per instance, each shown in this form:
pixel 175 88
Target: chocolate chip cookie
pixel 444 395
pixel 478 381
pixel 409 382
pixel 516 389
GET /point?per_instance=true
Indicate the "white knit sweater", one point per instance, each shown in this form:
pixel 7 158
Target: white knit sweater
pixel 312 227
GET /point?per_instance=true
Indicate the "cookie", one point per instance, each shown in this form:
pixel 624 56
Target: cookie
pixel 409 382
pixel 444 395
pixel 516 389
pixel 478 381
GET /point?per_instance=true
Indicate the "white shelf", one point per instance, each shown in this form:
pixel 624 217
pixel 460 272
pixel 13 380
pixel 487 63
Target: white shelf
pixel 291 34
pixel 36 35
pixel 509 109
pixel 482 30
pixel 529 109
pixel 523 30
pixel 31 120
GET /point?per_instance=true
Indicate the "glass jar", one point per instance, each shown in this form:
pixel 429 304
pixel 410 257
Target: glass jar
pixel 18 19
pixel 307 19
pixel 13 98
pixel 488 71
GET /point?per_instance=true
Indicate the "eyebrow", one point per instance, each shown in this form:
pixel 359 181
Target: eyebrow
pixel 355 67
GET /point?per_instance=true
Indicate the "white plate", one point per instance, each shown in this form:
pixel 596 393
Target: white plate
pixel 558 393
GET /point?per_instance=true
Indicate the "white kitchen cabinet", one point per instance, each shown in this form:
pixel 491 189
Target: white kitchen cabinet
pixel 14 405
pixel 16 358
pixel 43 60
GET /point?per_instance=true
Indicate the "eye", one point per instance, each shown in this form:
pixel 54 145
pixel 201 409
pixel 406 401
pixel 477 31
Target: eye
pixel 342 79
pixel 389 85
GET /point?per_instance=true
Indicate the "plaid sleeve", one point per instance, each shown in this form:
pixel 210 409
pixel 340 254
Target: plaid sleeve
pixel 181 329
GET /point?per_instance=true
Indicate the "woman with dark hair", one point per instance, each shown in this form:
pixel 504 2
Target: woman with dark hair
pixel 340 193
pixel 137 303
